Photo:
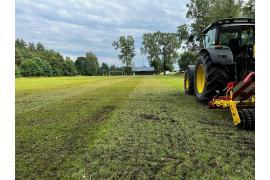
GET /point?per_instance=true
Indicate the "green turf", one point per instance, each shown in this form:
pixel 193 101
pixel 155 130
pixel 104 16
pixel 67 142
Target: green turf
pixel 124 128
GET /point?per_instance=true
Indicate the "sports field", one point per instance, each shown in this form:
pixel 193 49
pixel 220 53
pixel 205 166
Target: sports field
pixel 141 127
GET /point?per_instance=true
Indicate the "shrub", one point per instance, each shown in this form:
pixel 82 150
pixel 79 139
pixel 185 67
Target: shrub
pixel 29 67
pixel 17 72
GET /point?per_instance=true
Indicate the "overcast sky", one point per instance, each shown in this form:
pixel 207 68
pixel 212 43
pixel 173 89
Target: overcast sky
pixel 74 27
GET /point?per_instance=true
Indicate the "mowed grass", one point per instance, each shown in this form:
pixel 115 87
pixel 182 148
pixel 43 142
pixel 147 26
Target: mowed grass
pixel 141 127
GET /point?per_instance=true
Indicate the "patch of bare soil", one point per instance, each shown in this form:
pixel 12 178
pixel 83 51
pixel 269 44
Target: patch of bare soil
pixel 102 113
pixel 149 117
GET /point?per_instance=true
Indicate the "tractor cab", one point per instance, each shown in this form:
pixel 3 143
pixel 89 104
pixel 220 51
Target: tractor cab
pixel 238 35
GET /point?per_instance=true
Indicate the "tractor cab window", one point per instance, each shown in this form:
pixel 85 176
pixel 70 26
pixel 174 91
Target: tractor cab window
pixel 210 38
pixel 237 36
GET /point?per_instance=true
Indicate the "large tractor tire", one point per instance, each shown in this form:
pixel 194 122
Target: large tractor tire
pixel 247 117
pixel 209 78
pixel 189 80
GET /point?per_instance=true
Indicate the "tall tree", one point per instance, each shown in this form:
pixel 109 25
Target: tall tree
pixel 21 51
pixel 127 50
pixel 161 50
pixel 31 47
pixel 204 12
pixel 20 43
pixel 91 64
pixel 104 68
pixel 40 47
pixel 151 49
pixel 87 65
pixel 184 35
pixel 185 59
pixel 69 67
pixel 56 61
pixel 18 56
pixel 113 68
pixel 248 9
pixel 169 45
pixel 182 32
pixel 79 63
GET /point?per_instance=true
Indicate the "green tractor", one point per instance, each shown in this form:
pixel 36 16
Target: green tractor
pixel 224 75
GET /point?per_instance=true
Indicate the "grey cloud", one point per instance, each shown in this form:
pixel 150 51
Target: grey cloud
pixel 76 26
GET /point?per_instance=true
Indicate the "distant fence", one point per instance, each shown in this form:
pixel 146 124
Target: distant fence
pixel 116 73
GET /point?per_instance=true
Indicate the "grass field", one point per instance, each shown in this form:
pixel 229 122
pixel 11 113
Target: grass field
pixel 124 128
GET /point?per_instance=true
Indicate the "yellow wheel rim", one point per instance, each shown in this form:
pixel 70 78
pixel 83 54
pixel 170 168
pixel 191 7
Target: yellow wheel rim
pixel 200 78
pixel 186 81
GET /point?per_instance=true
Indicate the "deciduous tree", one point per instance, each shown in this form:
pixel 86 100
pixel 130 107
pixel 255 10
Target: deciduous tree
pixel 248 9
pixel 151 49
pixel 79 65
pixel 40 47
pixel 127 50
pixel 161 50
pixel 69 67
pixel 91 64
pixel 29 67
pixel 186 59
pixel 169 45
pixel 104 69
pixel 204 12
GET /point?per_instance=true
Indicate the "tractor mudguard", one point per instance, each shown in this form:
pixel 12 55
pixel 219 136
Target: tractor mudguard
pixel 221 56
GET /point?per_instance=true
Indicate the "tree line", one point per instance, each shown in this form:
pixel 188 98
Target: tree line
pixel 35 60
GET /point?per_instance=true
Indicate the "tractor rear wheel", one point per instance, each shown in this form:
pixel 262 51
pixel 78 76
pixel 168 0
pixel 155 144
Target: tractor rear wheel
pixel 209 78
pixel 189 80
pixel 247 117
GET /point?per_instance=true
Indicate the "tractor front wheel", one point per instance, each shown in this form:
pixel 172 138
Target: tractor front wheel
pixel 189 80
